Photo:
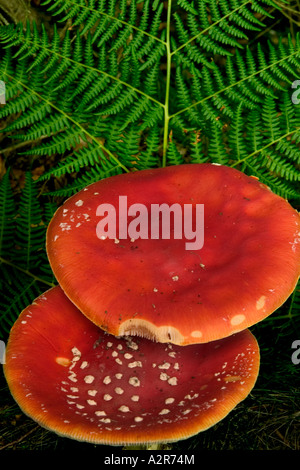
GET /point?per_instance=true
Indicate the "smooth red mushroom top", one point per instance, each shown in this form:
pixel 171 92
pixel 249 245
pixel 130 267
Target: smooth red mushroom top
pixel 80 382
pixel 161 287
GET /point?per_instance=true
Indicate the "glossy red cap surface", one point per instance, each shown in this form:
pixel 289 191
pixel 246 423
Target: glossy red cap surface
pixel 248 266
pixel 80 382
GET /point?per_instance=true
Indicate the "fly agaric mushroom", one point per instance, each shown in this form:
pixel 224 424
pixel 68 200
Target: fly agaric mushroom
pixel 80 382
pixel 156 287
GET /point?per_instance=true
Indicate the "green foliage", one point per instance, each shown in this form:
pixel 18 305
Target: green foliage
pixel 25 271
pixel 7 216
pixel 124 76
pixel 18 289
pixel 112 86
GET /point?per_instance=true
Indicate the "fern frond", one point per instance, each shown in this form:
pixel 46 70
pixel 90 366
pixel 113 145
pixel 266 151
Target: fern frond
pixel 30 229
pixel 273 151
pixel 289 149
pixel 228 20
pixel 270 119
pixel 257 167
pixel 188 6
pixel 197 154
pixel 74 162
pixel 149 158
pixel 24 269
pixel 7 216
pixel 174 157
pixel 236 138
pixel 217 151
pixel 278 166
pixel 18 290
pixel 32 115
pixel 47 123
pixel 32 37
pixel 254 137
pixel 129 145
pixel 95 173
pixel 184 97
pixel 124 70
pixel 244 80
pixel 59 143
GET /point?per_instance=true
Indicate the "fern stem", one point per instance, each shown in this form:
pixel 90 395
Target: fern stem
pixel 209 27
pixel 25 271
pixel 167 96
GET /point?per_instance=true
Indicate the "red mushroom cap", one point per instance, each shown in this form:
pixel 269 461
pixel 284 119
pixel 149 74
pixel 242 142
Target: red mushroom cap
pixel 247 267
pixel 80 382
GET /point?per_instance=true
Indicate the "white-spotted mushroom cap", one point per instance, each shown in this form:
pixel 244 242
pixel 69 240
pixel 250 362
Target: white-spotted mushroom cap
pixel 158 287
pixel 80 382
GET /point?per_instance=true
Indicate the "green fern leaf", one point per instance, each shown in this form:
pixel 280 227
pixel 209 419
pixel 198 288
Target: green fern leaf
pixel 174 157
pixel 197 154
pixel 95 173
pixel 18 291
pixel 236 138
pixel 7 216
pixel 30 229
pixel 124 68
